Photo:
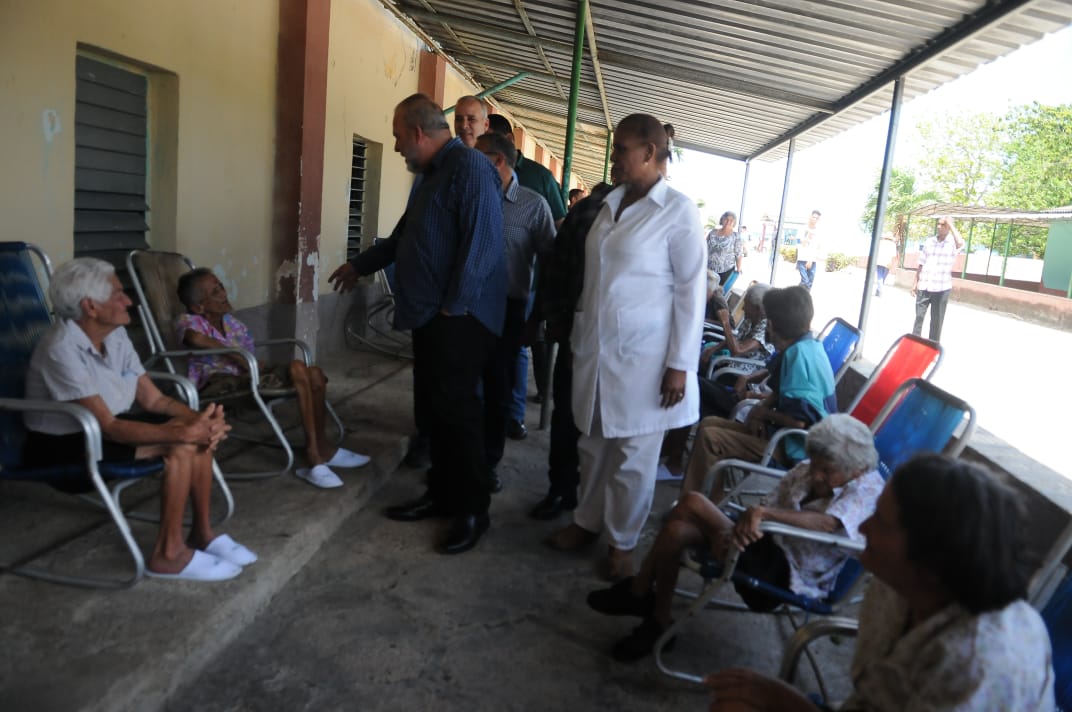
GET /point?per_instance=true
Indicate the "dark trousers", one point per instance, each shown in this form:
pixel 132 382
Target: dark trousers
pixel 936 301
pixel 563 466
pixel 499 378
pixel 450 353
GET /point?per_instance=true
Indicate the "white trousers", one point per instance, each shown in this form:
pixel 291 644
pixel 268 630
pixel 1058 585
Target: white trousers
pixel 617 483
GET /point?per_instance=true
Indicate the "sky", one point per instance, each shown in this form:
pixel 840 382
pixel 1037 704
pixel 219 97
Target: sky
pixel 836 176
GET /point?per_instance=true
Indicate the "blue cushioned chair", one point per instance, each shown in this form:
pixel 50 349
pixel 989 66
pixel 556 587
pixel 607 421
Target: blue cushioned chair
pixel 919 417
pixel 24 317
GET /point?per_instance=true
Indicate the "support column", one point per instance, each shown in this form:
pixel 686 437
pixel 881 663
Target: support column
pixel 574 96
pixel 777 241
pixel 1005 257
pixel 744 193
pixel 301 105
pixel 880 206
pixel 432 76
pixel 967 249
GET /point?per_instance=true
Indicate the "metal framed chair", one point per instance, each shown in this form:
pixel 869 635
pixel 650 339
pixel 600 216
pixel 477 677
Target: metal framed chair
pixel 918 417
pixel 155 275
pixel 378 334
pixel 909 357
pixel 24 317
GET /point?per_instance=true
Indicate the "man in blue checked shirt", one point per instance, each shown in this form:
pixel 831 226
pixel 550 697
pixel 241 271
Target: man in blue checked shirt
pixel 528 231
pixel 451 292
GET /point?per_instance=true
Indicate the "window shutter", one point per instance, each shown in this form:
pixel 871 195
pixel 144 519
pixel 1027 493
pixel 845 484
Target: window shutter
pixel 355 224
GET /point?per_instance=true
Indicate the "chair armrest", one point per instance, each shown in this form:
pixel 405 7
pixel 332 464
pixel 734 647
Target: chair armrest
pixel 90 427
pixel 802 638
pixel 296 343
pixel 251 363
pixel 841 542
pixel 749 467
pixel 184 386
pixel 772 445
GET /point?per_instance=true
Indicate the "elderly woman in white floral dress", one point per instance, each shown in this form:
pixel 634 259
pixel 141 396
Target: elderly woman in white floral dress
pixel 944 626
pixel 833 491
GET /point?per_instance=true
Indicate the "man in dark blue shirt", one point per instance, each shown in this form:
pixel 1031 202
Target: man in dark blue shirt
pixel 451 292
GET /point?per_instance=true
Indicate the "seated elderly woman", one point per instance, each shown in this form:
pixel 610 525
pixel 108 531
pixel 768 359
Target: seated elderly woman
pixel 833 491
pixel 747 340
pixel 208 324
pixel 86 358
pixel 802 393
pixel 944 626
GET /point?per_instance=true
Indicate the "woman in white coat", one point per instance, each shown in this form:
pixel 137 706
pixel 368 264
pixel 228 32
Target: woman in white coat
pixel 635 341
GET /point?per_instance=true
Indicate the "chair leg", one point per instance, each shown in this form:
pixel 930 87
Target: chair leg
pixel 340 429
pixel 698 604
pixel 112 506
pixel 280 437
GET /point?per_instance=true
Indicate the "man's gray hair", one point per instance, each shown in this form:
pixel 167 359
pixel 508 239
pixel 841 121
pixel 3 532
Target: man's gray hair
pixel 80 278
pixel 754 296
pixel 418 111
pixel 468 98
pixel 846 442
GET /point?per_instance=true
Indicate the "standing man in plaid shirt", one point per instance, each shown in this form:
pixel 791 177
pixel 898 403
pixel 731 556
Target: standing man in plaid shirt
pixel 934 277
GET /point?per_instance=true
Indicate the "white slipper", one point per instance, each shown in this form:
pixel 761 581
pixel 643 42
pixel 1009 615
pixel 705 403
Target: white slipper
pixel 228 549
pixel 663 474
pixel 320 476
pixel 348 458
pixel 202 567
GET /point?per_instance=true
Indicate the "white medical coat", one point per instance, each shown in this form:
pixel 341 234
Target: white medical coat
pixel 641 311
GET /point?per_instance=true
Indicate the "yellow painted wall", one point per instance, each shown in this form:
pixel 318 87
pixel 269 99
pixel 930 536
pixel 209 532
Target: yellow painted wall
pixel 223 56
pixel 373 64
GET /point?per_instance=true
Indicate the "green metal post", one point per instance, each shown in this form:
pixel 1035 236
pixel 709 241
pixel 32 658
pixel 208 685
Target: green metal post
pixel 993 237
pixel 967 248
pixel 574 96
pixel 606 158
pixel 1005 257
pixel 498 87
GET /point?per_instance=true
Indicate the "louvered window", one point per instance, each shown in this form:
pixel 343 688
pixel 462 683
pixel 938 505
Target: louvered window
pixel 111 140
pixel 355 226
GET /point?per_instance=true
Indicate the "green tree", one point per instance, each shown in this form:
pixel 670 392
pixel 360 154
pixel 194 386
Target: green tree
pixel 963 156
pixel 1036 172
pixel 903 198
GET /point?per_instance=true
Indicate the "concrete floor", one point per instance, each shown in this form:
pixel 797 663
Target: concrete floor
pixel 347 610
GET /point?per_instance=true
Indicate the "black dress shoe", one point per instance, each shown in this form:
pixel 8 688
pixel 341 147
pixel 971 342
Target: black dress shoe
pixel 619 600
pixel 641 642
pixel 465 532
pixel 516 430
pixel 551 506
pixel 424 507
pixel 495 483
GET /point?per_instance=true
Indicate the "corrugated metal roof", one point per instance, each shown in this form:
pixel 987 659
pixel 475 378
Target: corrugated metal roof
pixel 736 78
pixel 1039 218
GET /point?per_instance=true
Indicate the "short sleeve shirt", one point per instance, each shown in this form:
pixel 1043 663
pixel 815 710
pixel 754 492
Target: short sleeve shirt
pixel 936 264
pixel 723 251
pixel 813 566
pixel 65 366
pixel 235 334
pixel 955 660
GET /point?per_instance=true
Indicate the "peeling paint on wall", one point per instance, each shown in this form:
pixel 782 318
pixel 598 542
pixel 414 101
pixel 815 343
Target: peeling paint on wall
pixel 285 278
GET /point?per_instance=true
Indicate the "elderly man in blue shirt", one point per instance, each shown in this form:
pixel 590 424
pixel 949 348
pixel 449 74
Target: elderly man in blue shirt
pixel 451 292
pixel 528 231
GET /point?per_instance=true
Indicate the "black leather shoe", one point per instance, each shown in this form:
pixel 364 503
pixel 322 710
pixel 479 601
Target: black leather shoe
pixel 465 532
pixel 551 506
pixel 516 430
pixel 495 483
pixel 424 507
pixel 641 642
pixel 619 600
